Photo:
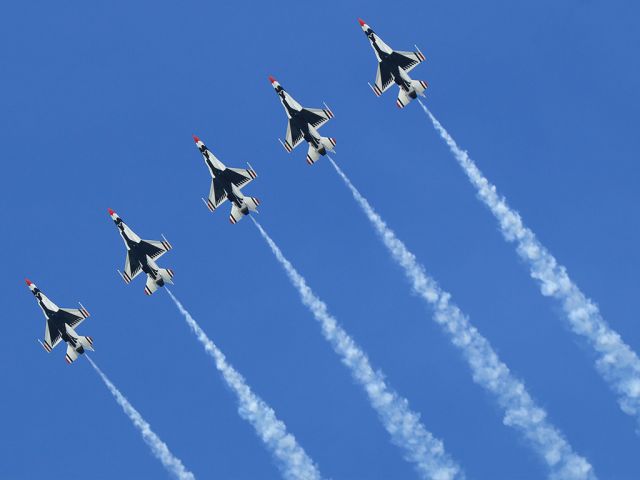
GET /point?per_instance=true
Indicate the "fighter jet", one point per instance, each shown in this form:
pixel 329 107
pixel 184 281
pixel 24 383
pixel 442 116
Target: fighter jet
pixel 394 66
pixel 141 257
pixel 303 125
pixel 60 325
pixel 226 184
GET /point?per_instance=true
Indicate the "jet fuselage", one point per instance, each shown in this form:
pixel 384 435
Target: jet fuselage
pixel 391 63
pixel 297 118
pixel 57 321
pixel 225 182
pixel 138 252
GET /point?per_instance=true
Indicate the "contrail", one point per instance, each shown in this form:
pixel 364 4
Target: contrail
pixel 420 446
pixel 292 459
pixel 616 362
pixel 158 447
pixel 521 411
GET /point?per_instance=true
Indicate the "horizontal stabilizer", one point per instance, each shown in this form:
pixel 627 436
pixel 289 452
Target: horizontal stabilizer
pixel 166 274
pixel 417 87
pixel 250 204
pixel 78 340
pixel 150 287
pixel 328 143
pixel 71 355
pixel 236 214
pixel 312 155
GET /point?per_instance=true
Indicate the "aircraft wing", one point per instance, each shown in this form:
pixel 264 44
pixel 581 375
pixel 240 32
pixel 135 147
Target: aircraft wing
pixel 50 339
pixel 384 79
pixel 317 116
pixel 293 138
pixel 408 60
pixel 130 272
pixel 156 248
pixel 241 176
pixel 217 195
pixel 75 316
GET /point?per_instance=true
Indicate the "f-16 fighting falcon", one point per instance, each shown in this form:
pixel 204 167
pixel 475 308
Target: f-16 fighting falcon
pixel 303 125
pixel 60 325
pixel 226 184
pixel 141 257
pixel 394 66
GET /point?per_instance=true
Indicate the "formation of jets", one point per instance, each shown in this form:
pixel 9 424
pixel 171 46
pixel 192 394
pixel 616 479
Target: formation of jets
pixel 226 184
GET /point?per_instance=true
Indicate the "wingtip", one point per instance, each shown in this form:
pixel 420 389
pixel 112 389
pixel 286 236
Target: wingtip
pixel 196 138
pixel 361 22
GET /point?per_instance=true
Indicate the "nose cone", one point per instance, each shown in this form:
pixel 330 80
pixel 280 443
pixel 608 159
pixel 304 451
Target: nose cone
pixel 196 139
pixel 31 285
pixel 274 83
pixel 365 28
pixel 111 212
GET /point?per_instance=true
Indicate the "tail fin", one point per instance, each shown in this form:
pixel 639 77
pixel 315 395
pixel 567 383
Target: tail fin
pixel 417 86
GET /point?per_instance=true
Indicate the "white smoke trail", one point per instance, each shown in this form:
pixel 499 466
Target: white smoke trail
pixel 521 412
pixel 420 446
pixel 616 361
pixel 158 447
pixel 292 459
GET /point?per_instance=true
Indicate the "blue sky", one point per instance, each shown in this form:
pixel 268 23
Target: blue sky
pixel 98 107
